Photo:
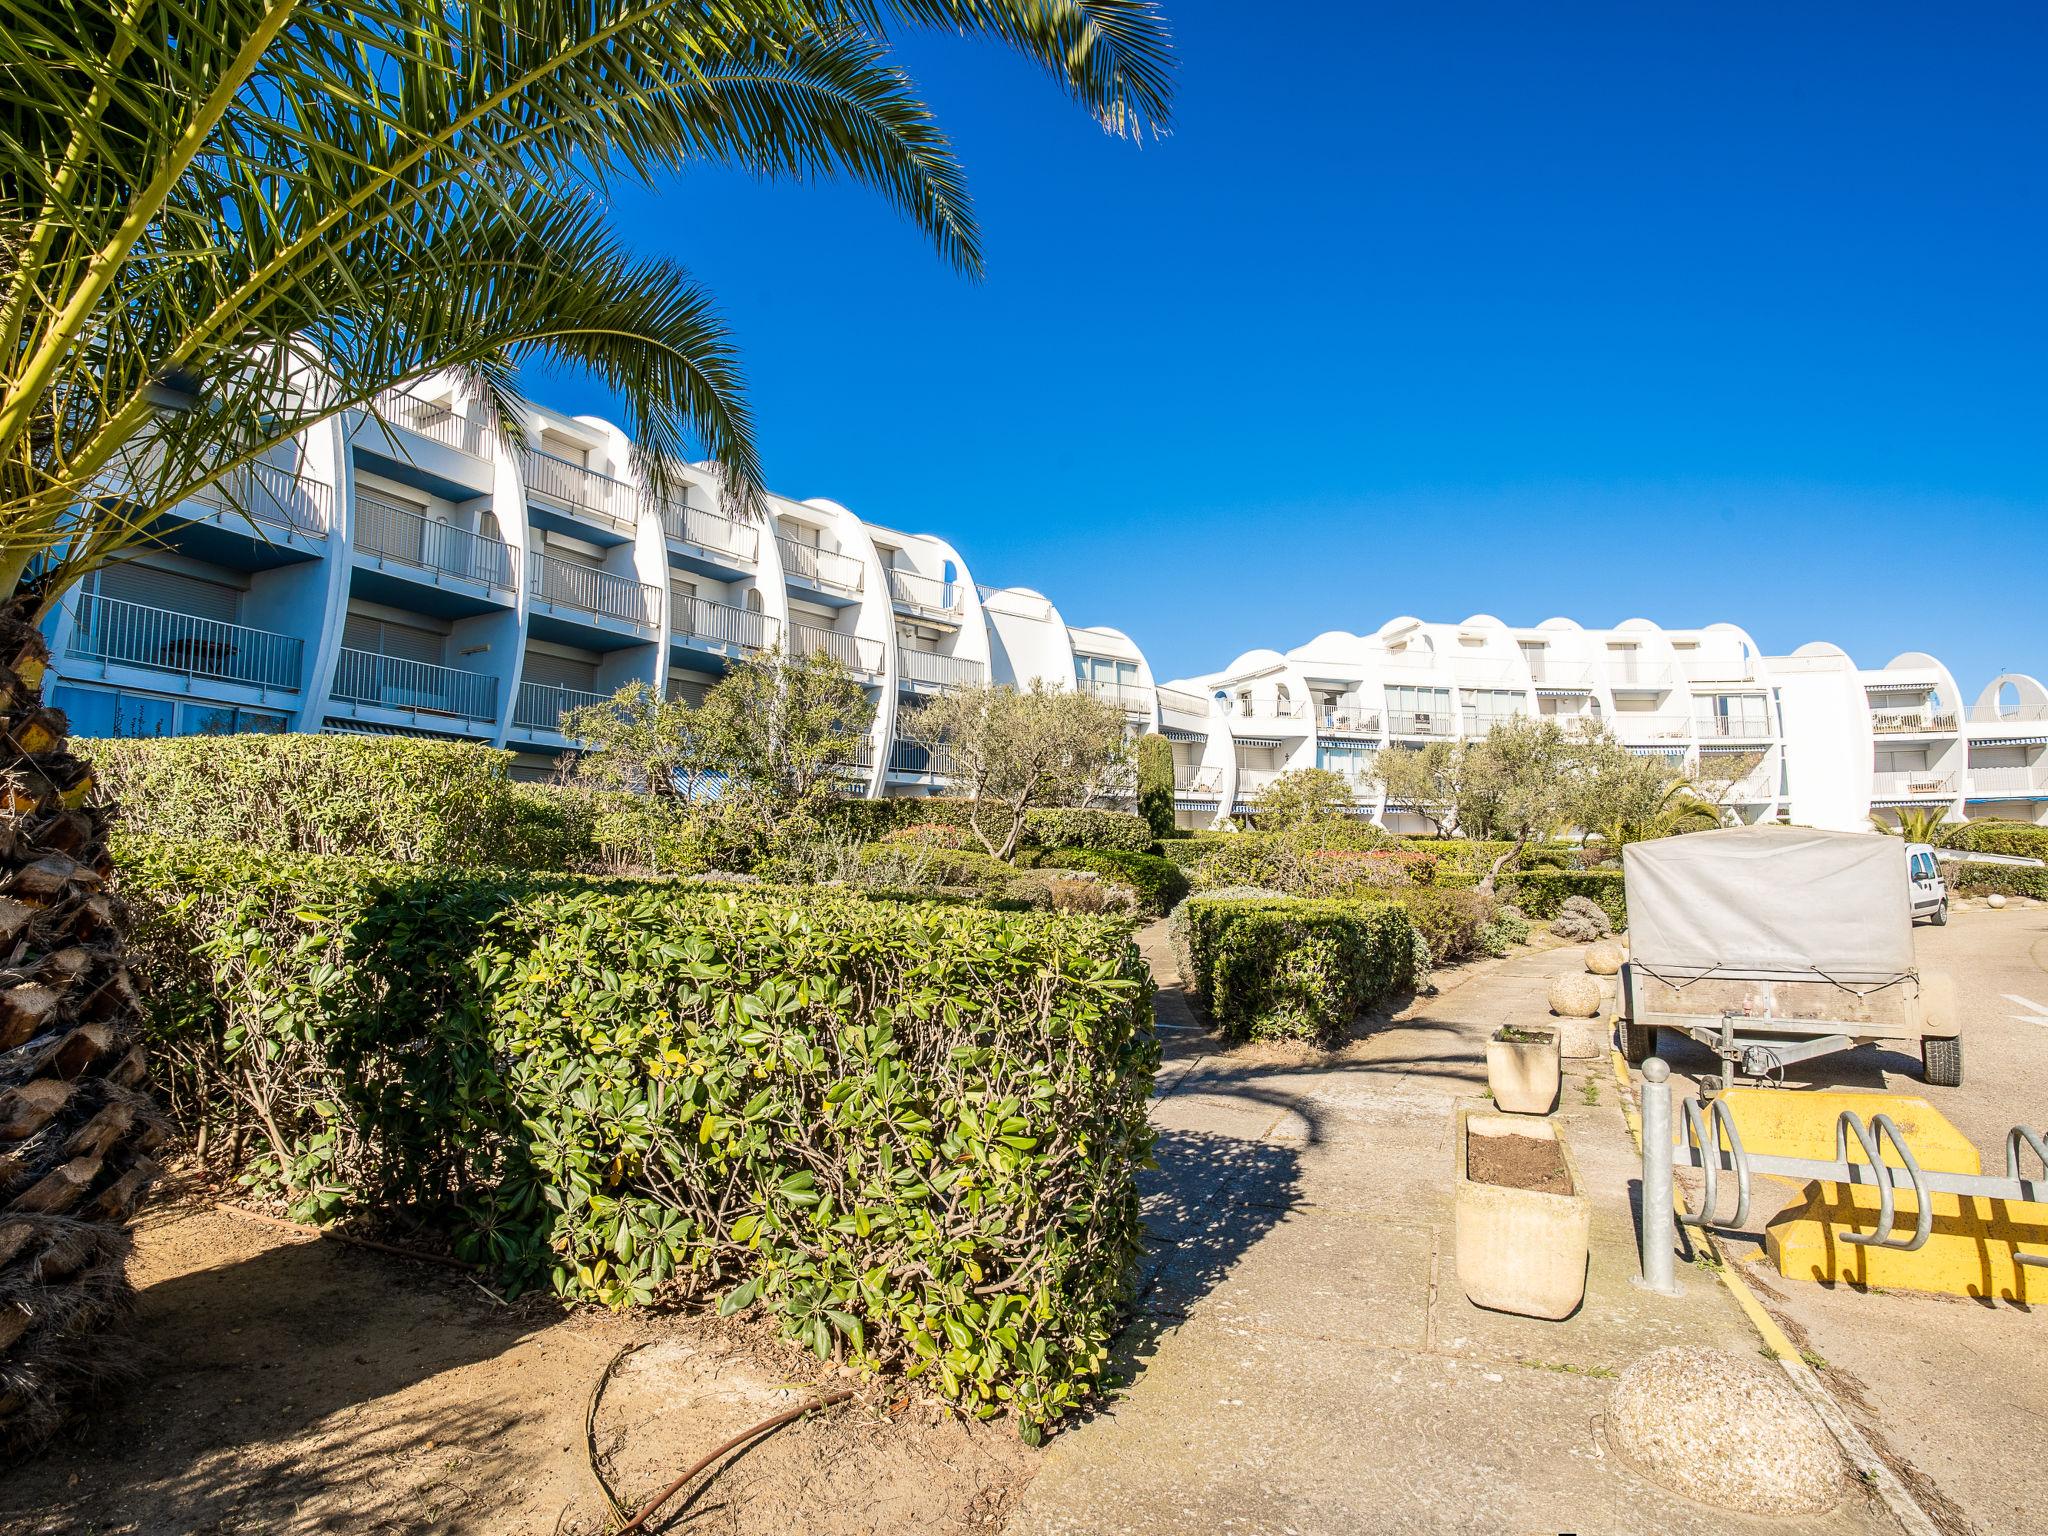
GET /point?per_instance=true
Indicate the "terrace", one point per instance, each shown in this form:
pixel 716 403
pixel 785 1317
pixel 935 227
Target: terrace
pixel 112 631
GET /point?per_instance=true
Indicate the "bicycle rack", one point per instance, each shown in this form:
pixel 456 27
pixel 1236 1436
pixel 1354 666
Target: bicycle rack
pixel 1706 1125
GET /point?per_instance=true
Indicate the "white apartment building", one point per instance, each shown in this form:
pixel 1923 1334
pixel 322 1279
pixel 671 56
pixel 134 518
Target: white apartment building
pixel 1808 738
pixel 413 572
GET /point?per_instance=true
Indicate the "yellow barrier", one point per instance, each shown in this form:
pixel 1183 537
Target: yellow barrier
pixel 1777 1122
pixel 1969 1251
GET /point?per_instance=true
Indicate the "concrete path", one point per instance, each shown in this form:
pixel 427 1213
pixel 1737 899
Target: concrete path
pixel 1303 1360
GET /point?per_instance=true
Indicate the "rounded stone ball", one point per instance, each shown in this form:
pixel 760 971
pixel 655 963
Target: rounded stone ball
pixel 1575 995
pixel 1604 958
pixel 1994 901
pixel 1725 1431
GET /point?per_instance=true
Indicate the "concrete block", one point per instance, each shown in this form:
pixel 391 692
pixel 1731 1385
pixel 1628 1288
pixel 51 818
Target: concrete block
pixel 1971 1250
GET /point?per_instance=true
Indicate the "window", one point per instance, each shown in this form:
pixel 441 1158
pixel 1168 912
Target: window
pixel 1734 714
pixel 1350 759
pixel 1419 711
pixel 1484 708
pixel 381 637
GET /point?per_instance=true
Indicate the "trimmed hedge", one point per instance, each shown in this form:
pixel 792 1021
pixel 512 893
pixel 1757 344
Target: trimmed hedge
pixel 1997 879
pixel 2014 838
pixel 1045 827
pixel 1159 882
pixel 1542 892
pixel 910 1131
pixel 1287 969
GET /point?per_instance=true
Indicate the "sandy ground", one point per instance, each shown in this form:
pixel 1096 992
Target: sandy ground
pixel 292 1385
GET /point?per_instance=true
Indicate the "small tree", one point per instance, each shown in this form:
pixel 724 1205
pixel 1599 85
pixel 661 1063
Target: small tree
pixel 784 728
pixel 1427 780
pixel 638 740
pixel 1014 751
pixel 1916 824
pixel 1155 783
pixel 1301 798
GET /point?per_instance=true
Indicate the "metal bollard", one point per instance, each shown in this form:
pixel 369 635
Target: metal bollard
pixel 1660 1230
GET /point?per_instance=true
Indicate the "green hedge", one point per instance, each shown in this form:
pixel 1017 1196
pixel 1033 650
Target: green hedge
pixel 2013 838
pixel 1997 879
pixel 1271 969
pixel 1541 893
pixel 1046 827
pixel 910 1131
pixel 1159 882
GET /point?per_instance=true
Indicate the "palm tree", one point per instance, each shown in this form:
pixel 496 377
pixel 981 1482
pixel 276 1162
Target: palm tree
pixel 1915 823
pixel 230 221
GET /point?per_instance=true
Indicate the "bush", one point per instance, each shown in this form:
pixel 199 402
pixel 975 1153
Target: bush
pixel 911 1131
pixel 2013 838
pixel 929 834
pixel 1045 827
pixel 1450 921
pixel 1155 783
pixel 1342 872
pixel 1187 852
pixel 1159 882
pixel 1541 892
pixel 1502 931
pixel 1997 879
pixel 1291 969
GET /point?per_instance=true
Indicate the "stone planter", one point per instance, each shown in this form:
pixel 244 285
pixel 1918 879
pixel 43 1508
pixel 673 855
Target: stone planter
pixel 1523 1075
pixel 1519 1250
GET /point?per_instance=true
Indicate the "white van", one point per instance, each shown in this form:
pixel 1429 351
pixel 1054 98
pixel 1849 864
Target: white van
pixel 1930 891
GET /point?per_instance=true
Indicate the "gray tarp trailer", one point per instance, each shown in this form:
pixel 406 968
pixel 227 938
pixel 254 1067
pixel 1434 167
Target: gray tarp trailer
pixel 1773 945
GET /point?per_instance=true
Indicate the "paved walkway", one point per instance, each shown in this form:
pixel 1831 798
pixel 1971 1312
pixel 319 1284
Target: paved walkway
pixel 1303 1360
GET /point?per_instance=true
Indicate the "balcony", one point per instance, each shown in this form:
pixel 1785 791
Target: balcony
pixel 1643 728
pixel 541 706
pixel 272 497
pixel 1404 722
pixel 1182 702
pixel 721 626
pixel 1637 674
pixel 909 760
pixel 1912 784
pixel 823 568
pixel 924 596
pixel 1912 722
pixel 935 671
pixel 2019 714
pixel 112 631
pixel 861 656
pixel 1130 697
pixel 711 531
pixel 1206 786
pixel 1349 722
pixel 565 584
pixel 394 535
pixel 417 687
pixel 1561 676
pixel 601 498
pixel 436 422
pixel 2005 779
pixel 1733 728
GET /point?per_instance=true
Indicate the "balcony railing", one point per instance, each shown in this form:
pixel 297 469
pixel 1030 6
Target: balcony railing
pixel 861 655
pixel 273 495
pixel 1350 722
pixel 433 420
pixel 1403 722
pixel 1206 785
pixel 1733 727
pixel 2019 714
pixel 1906 722
pixel 1560 674
pixel 711 530
pixel 564 582
pixel 698 618
pixel 2007 779
pixel 108 629
pixel 541 706
pixel 1128 696
pixel 609 500
pixel 1904 783
pixel 365 677
pixel 939 671
pixel 1182 702
pixel 924 594
pixel 820 567
pixel 392 533
pixel 1635 727
pixel 908 757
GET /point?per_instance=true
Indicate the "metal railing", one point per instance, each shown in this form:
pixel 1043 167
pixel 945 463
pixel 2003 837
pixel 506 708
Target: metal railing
pixel 1905 722
pixel 109 629
pixel 433 420
pixel 859 654
pixel 2006 778
pixel 821 567
pixel 1560 674
pixel 393 533
pixel 585 490
pixel 1183 703
pixel 269 493
pixel 920 761
pixel 1130 696
pixel 1206 785
pixel 1402 722
pixel 594 591
pixel 1899 783
pixel 939 671
pixel 711 530
pixel 1637 674
pixel 699 618
pixel 1353 722
pixel 367 677
pixel 923 594
pixel 1633 727
pixel 1734 727
pixel 541 706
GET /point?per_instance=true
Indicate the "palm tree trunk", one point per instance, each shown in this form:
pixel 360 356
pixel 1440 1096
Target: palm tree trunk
pixel 76 1120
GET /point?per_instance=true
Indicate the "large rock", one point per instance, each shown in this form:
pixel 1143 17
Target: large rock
pixel 1604 958
pixel 1994 901
pixel 1575 995
pixel 1728 1432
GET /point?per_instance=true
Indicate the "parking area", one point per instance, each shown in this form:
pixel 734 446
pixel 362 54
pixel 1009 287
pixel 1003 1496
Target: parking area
pixel 1953 1390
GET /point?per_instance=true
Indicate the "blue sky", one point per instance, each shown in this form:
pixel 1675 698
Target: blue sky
pixel 1693 312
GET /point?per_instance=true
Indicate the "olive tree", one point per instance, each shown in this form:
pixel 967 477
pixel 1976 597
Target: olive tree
pixel 1301 798
pixel 639 740
pixel 786 729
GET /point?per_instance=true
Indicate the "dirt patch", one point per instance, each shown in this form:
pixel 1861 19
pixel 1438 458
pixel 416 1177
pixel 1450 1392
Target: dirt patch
pixel 291 1385
pixel 1519 1162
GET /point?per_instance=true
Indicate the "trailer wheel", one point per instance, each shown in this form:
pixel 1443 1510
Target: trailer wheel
pixel 1638 1042
pixel 1941 1061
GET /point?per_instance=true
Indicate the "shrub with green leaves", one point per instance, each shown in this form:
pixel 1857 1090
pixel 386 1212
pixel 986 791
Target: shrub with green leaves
pixel 1044 827
pixel 910 1131
pixel 1159 882
pixel 1288 969
pixel 1541 892
pixel 1451 920
pixel 2013 838
pixel 1997 879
